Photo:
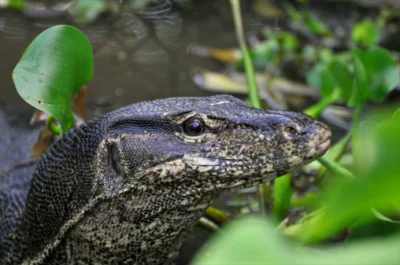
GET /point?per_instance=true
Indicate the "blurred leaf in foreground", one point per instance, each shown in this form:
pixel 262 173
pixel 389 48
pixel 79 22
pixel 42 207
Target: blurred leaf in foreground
pixel 52 70
pixel 377 186
pixel 256 241
pixel 248 241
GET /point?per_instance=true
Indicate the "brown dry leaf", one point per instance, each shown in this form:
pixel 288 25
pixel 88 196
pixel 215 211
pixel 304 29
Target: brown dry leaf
pixel 38 116
pixel 222 55
pixel 236 83
pixel 225 55
pixel 217 82
pixel 78 102
pixel 45 139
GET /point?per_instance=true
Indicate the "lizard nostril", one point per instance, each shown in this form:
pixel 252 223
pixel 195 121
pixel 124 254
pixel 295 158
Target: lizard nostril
pixel 291 131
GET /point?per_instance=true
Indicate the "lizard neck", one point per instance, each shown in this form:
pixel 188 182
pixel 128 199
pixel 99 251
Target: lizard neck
pixel 62 184
pixel 133 225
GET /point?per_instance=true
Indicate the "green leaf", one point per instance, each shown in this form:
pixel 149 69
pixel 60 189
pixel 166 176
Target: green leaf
pixel 361 230
pixel 369 252
pixel 360 92
pixel 314 76
pixel 396 115
pixel 288 41
pixel 341 79
pixel 365 33
pixel 376 74
pixel 251 241
pixel 255 241
pixel 315 25
pixel 53 69
pixel 16 4
pixel 283 192
pixel 382 217
pixel 335 81
pixel 86 11
pixel 333 78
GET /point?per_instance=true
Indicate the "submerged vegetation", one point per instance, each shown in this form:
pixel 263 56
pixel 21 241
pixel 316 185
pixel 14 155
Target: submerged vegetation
pixel 351 194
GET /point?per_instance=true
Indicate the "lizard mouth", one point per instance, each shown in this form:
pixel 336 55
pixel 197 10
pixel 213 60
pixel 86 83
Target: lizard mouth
pixel 319 149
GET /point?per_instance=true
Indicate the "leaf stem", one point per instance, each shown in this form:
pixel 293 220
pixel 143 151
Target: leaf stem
pixel 306 201
pixel 335 153
pixel 335 168
pixel 208 224
pixel 315 110
pixel 254 97
pixel 356 121
pixel 217 216
pixel 52 127
pixel 283 192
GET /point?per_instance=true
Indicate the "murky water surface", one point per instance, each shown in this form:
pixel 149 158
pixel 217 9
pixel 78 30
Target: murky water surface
pixel 138 55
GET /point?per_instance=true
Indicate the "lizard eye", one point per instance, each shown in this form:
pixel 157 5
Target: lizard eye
pixel 193 127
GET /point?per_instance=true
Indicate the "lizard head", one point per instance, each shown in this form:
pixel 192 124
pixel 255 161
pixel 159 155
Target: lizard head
pixel 209 144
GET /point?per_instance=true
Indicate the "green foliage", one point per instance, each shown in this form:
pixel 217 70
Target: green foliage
pixel 376 74
pixel 256 241
pixel 16 4
pixel 53 69
pixel 336 79
pixel 288 41
pixel 283 192
pixel 315 25
pixel 244 242
pixel 376 186
pixel 365 34
pixel 86 11
pixel 308 20
pixel 277 46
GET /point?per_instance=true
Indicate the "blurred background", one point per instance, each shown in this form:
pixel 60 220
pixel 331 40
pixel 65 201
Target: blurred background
pixel 142 50
pixel 161 48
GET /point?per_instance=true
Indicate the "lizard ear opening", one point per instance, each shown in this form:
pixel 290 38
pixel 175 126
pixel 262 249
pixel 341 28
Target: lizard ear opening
pixel 114 159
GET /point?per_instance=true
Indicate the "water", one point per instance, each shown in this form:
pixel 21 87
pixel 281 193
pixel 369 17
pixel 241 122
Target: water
pixel 137 56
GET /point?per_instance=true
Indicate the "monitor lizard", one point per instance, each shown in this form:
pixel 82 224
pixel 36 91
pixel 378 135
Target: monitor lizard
pixel 126 188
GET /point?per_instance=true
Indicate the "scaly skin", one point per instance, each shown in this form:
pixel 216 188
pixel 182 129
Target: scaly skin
pixel 127 187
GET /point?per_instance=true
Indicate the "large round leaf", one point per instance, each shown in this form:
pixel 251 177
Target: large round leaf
pixel 53 69
pixel 376 75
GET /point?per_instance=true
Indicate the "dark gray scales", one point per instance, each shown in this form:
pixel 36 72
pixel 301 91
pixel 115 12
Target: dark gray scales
pixel 127 187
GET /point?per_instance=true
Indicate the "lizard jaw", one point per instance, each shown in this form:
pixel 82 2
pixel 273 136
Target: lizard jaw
pixel 319 149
